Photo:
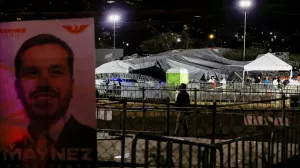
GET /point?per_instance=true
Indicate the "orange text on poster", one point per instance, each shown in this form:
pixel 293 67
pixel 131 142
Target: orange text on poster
pixel 76 29
pixel 12 30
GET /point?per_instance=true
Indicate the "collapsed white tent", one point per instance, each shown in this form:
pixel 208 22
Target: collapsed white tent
pixel 198 62
pixel 114 67
pixel 267 62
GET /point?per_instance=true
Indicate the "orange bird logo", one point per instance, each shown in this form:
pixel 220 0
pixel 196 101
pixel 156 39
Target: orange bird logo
pixel 76 29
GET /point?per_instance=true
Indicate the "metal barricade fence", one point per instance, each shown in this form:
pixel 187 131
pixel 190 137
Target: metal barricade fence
pixel 285 146
pixel 162 151
pixel 277 148
pixel 110 146
pixel 128 117
pixel 198 94
pixel 246 151
pixel 259 151
pixel 231 119
pixel 256 87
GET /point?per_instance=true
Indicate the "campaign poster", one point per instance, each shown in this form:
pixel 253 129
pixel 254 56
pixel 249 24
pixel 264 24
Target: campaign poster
pixel 47 93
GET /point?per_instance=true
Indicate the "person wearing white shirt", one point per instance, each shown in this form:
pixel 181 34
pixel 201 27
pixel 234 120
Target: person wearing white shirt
pixel 211 80
pixel 223 82
pixel 275 83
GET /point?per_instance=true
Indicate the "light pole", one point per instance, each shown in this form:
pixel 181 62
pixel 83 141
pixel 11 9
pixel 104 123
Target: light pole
pixel 114 19
pixel 212 37
pixel 245 4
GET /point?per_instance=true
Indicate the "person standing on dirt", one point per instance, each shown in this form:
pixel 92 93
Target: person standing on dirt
pixel 183 100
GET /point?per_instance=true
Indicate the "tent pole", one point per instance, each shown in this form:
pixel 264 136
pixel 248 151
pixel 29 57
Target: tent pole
pixel 291 74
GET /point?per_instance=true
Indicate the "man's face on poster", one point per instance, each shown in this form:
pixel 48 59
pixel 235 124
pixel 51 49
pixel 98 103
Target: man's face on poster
pixel 45 82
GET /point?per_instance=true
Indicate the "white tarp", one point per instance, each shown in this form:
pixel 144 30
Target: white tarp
pixel 268 62
pixel 114 67
pixel 198 62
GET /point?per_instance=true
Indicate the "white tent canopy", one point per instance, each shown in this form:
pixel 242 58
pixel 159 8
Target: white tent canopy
pixel 114 67
pixel 267 62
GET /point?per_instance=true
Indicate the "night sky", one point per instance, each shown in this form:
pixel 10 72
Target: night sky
pixel 141 19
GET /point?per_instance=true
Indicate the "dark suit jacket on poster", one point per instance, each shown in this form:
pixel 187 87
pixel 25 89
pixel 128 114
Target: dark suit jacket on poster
pixel 76 140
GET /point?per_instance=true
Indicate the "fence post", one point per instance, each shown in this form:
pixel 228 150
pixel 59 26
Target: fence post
pixel 213 136
pixel 144 109
pixel 283 109
pixel 284 147
pixel 143 92
pixel 195 112
pixel 124 116
pixel 214 111
pixel 168 117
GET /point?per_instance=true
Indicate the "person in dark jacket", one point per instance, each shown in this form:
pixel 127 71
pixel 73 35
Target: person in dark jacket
pixel 183 100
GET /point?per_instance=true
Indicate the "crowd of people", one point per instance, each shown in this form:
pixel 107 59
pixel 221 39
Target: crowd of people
pixel 266 82
pixel 274 83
